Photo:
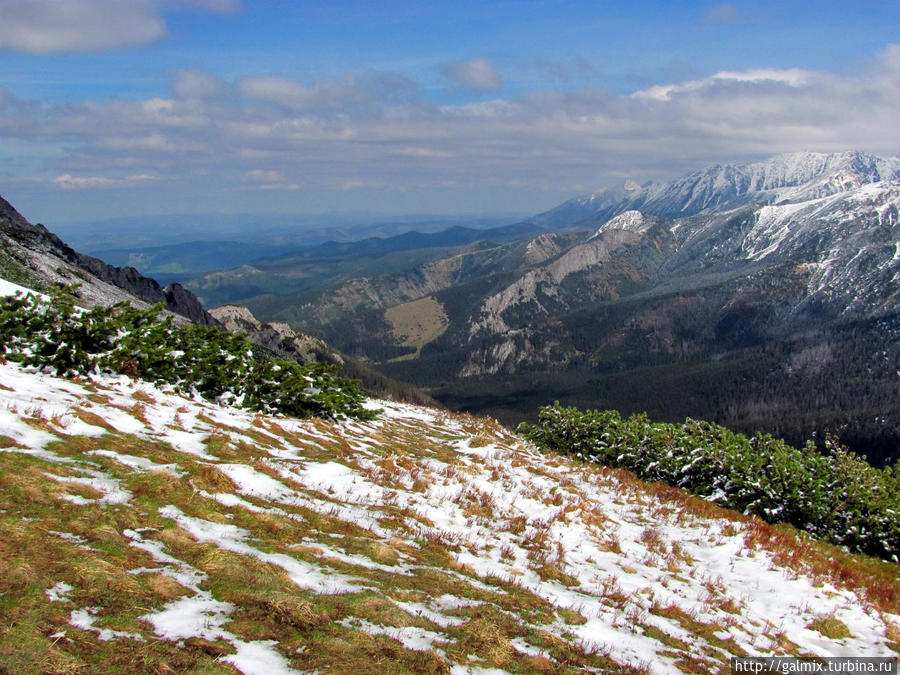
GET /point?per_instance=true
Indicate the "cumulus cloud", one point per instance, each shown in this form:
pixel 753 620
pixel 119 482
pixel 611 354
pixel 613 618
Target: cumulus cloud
pixel 55 26
pixel 477 74
pixel 47 26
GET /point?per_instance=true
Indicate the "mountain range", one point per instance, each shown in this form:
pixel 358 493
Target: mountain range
pixel 756 294
pixel 147 529
pixel 761 296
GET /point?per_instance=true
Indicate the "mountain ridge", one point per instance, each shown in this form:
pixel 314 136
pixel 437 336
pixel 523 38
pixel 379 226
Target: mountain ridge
pixel 728 186
pixel 28 244
pixel 813 250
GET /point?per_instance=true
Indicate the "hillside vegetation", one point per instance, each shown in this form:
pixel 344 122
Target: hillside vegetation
pixel 51 333
pixel 835 496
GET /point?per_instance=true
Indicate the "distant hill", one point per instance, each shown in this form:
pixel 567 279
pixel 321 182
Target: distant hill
pixel 189 259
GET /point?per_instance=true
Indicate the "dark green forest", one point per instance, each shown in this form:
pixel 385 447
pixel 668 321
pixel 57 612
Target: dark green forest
pixel 844 382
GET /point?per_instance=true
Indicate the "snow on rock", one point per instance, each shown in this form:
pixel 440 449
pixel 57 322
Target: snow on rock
pixel 630 221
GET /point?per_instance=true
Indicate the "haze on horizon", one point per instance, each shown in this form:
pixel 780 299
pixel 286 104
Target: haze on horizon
pixel 112 108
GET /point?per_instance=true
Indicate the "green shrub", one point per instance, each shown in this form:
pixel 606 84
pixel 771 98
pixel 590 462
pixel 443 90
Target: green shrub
pixel 210 361
pixel 835 496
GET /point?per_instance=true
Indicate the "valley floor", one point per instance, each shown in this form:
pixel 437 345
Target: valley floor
pixel 147 531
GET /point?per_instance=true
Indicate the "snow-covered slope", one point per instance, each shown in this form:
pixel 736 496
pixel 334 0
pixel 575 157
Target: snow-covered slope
pixel 9 288
pixel 790 177
pixel 145 527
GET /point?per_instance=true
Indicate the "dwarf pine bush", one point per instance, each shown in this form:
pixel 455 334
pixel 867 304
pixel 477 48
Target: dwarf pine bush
pixel 835 496
pixel 210 361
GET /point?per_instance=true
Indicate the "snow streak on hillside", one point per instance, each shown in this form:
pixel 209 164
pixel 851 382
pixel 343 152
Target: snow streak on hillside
pixel 440 540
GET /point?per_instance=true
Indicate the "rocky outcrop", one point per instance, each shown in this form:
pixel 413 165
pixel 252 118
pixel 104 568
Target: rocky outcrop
pixel 601 263
pixel 276 337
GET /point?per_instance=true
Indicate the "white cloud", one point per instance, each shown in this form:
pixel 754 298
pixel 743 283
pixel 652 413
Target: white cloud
pixel 48 26
pixel 793 77
pixel 476 74
pixel 69 182
pixel 217 6
pixel 268 179
pixel 376 136
pixel 263 176
pixel 365 89
pixel 56 26
pixel 424 153
pixel 196 84
pixel 280 90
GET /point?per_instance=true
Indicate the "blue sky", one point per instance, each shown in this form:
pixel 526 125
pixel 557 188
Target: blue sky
pixel 135 107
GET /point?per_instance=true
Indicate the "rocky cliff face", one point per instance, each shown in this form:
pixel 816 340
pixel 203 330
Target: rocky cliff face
pixel 276 337
pixel 38 253
pixel 594 270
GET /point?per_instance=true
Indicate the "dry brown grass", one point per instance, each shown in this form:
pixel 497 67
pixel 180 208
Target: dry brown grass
pixel 893 635
pixel 93 419
pixel 653 539
pixel 139 412
pixel 830 626
pixel 143 397
pixel 485 637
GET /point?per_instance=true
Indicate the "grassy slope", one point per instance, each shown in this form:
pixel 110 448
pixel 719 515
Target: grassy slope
pixel 417 323
pixel 422 542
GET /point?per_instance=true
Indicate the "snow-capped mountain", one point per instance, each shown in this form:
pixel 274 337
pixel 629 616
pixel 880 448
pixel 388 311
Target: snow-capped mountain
pixel 786 178
pixel 728 262
pixel 843 247
pixel 601 202
pixel 790 177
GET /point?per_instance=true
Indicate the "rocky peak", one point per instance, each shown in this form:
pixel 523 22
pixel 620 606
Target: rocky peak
pixel 542 248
